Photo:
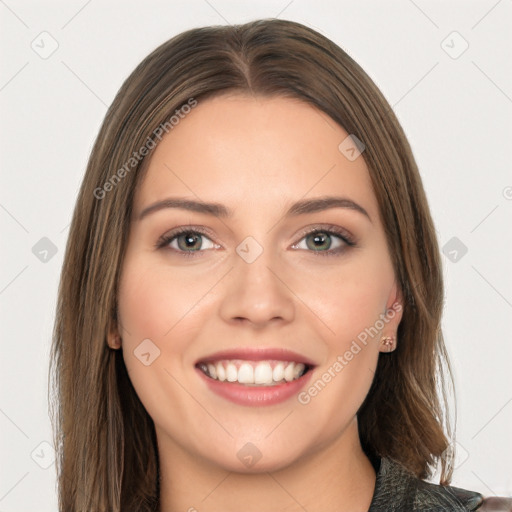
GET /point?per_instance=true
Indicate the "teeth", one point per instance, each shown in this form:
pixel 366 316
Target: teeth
pixel 263 374
pixel 231 373
pixel 221 373
pixel 266 373
pixel 288 372
pixel 298 370
pixel 278 373
pixel 212 371
pixel 246 374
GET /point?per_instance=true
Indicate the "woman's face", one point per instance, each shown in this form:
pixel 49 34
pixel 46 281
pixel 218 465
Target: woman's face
pixel 246 289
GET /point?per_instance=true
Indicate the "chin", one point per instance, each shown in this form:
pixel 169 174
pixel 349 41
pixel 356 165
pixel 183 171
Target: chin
pixel 252 457
pixel 276 462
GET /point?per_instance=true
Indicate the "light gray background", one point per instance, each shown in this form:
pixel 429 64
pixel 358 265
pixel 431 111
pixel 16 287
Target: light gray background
pixel 455 109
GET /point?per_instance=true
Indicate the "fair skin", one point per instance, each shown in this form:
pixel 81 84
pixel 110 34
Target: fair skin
pixel 256 156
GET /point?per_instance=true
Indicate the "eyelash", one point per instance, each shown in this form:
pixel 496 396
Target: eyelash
pixel 166 239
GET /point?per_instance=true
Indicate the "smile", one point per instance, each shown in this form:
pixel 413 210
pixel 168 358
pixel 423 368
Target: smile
pixel 254 373
pixel 255 376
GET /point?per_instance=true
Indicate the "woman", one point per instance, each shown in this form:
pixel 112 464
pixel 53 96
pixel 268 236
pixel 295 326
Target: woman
pixel 250 304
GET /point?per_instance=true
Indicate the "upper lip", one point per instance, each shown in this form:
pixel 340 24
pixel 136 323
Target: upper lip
pixel 257 354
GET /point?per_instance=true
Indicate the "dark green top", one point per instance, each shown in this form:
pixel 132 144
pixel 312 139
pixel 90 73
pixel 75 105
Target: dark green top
pixel 397 490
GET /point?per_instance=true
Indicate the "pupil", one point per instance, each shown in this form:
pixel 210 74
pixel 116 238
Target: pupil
pixel 321 241
pixel 190 241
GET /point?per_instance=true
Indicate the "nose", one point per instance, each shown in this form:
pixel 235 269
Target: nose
pixel 257 293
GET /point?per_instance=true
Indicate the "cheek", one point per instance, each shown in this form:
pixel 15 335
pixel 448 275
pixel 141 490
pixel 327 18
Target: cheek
pixel 156 304
pixel 167 307
pixel 151 306
pixel 350 297
pixel 153 300
pixel 350 300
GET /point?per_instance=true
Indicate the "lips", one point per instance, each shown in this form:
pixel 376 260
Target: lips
pixel 255 376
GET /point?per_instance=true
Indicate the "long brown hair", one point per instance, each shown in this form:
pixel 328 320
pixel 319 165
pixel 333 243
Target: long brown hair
pixel 105 439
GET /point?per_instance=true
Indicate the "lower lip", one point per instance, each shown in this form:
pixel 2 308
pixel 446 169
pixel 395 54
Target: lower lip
pixel 256 395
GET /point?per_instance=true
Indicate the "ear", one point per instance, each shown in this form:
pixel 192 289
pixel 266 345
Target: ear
pixel 113 336
pixel 392 319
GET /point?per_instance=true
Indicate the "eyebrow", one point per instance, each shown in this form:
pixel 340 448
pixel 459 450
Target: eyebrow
pixel 219 210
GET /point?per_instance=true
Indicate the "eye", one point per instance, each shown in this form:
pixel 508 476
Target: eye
pixel 186 240
pixel 325 241
pixel 322 241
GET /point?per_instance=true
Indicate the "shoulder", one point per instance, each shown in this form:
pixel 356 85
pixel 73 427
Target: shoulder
pixel 399 490
pixel 431 495
pixel 428 496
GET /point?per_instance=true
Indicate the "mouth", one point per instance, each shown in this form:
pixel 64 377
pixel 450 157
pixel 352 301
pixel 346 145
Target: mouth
pixel 255 377
pixel 254 373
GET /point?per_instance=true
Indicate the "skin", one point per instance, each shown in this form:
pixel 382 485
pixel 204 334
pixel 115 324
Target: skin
pixel 256 156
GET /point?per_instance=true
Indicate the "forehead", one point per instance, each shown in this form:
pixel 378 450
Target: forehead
pixel 250 152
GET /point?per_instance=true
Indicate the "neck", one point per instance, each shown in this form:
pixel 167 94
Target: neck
pixel 336 477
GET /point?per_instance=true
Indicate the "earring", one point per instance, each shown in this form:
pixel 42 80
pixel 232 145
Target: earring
pixel 388 342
